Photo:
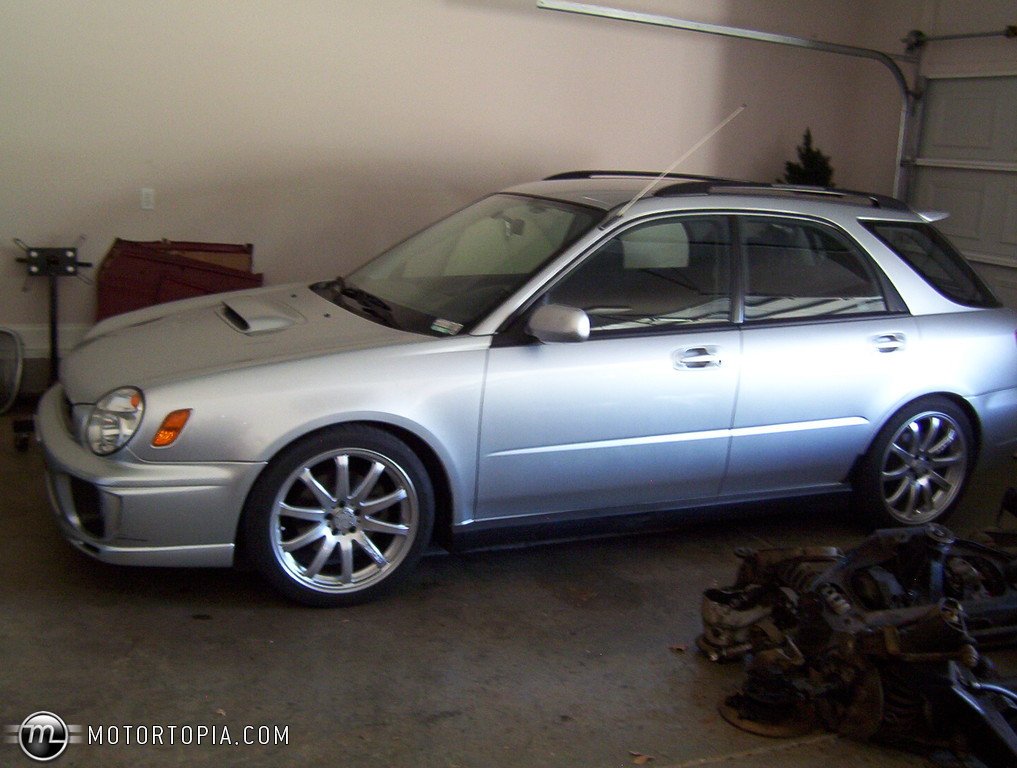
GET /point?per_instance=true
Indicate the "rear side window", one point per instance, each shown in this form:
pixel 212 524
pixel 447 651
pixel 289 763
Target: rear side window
pixel 798 269
pixel 933 257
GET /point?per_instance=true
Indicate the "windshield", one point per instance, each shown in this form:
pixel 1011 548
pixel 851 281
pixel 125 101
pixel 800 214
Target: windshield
pixel 447 277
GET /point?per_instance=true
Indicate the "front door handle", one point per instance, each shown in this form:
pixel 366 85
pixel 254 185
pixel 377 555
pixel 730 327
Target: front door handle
pixel 697 357
pixel 889 342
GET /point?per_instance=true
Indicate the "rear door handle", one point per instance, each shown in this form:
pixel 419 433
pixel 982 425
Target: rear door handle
pixel 889 342
pixel 697 357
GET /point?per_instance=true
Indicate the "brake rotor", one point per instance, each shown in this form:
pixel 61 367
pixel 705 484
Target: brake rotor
pixel 769 705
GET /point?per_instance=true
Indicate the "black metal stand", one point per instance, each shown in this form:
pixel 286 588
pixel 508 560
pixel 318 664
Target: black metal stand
pixel 52 263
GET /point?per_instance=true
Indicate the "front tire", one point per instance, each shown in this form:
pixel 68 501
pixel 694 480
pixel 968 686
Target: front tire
pixel 339 516
pixel 918 465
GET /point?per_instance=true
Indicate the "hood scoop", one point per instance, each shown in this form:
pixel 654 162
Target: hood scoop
pixel 256 315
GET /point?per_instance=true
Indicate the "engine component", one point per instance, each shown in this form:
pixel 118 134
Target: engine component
pixel 882 642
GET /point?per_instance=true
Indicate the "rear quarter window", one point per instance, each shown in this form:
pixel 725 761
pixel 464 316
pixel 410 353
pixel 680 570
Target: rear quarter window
pixel 932 256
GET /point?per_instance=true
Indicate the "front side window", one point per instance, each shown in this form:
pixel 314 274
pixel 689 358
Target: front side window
pixel 803 269
pixel 664 274
pixel 931 255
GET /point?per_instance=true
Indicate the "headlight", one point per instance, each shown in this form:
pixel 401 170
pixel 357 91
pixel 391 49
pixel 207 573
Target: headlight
pixel 114 420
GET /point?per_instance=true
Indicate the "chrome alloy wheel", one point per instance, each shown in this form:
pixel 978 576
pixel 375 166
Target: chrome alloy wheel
pixel 344 520
pixel 924 467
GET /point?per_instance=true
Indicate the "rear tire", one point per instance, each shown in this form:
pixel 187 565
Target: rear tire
pixel 340 516
pixel 918 465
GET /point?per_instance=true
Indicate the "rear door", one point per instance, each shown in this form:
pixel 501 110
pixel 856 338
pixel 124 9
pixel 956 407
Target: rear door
pixel 636 417
pixel 826 352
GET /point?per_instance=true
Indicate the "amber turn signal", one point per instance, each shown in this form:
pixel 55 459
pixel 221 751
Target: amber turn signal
pixel 170 428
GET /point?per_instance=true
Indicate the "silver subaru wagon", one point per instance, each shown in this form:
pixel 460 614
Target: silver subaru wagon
pixel 567 355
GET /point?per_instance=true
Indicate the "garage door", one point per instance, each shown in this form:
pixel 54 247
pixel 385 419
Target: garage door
pixel 967 165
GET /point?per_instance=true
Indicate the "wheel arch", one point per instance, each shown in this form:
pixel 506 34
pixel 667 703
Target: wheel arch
pixel 973 421
pixel 972 416
pixel 444 499
pixel 969 412
pixel 435 467
pixel 860 476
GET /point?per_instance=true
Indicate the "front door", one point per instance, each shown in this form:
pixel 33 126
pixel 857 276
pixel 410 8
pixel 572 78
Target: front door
pixel 638 416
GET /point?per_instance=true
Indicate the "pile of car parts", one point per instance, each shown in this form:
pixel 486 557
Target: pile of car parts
pixel 882 642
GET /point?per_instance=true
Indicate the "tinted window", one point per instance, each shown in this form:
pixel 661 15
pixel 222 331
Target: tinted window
pixel 664 274
pixel 933 257
pixel 803 269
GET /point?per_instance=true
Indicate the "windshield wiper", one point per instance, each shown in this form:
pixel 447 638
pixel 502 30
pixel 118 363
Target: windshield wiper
pixel 368 303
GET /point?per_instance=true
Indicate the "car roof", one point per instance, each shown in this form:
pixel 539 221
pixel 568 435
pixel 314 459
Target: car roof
pixel 610 190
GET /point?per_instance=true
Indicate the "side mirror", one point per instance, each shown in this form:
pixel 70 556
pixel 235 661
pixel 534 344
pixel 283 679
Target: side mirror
pixel 557 323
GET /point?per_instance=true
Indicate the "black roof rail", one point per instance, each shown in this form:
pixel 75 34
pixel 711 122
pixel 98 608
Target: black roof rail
pixel 701 187
pixel 877 201
pixel 724 185
pixel 594 174
pixel 694 184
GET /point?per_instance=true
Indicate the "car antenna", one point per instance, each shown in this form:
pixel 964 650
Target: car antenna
pixel 692 150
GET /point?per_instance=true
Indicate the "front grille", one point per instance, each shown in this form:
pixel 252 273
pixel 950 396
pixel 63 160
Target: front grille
pixel 88 507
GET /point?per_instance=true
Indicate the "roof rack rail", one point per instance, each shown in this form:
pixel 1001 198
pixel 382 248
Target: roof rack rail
pixel 694 184
pixel 593 174
pixel 877 201
pixel 701 187
pixel 724 185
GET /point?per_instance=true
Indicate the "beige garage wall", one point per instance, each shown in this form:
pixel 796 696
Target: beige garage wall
pixel 324 130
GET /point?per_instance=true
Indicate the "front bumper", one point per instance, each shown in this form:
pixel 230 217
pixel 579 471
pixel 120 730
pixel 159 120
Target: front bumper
pixel 125 511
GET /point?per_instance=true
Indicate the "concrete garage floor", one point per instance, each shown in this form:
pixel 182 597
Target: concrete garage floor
pixel 558 655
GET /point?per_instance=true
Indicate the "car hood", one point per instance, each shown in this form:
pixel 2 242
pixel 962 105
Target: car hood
pixel 212 334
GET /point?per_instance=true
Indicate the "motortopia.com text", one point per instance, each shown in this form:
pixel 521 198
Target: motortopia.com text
pixel 199 735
